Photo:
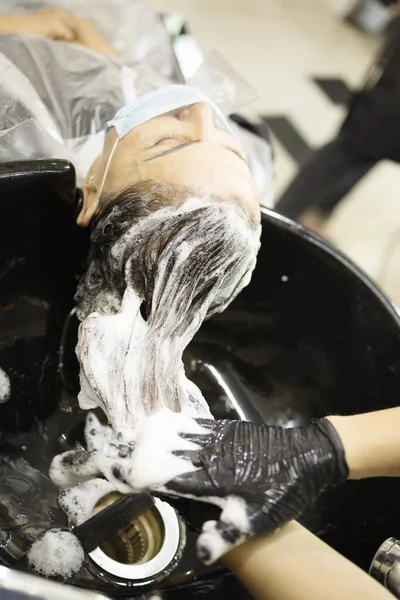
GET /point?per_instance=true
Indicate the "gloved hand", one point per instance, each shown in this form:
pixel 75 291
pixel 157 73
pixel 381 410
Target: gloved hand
pixel 144 463
pixel 260 476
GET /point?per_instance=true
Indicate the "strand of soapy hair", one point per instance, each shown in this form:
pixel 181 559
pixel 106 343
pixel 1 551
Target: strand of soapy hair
pixel 220 255
pixel 121 231
pixel 182 293
pixel 186 262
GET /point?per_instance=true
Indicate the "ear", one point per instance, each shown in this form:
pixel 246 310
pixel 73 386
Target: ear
pixel 90 205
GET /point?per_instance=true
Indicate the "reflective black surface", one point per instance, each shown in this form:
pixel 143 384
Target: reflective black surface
pixel 310 336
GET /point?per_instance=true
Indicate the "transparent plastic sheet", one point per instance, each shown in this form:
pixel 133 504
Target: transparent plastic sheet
pixel 130 25
pixel 56 98
pixel 80 89
pixel 259 155
pixel 219 81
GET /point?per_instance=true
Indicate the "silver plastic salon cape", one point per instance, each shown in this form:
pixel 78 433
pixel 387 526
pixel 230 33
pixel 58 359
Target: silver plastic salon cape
pixel 55 98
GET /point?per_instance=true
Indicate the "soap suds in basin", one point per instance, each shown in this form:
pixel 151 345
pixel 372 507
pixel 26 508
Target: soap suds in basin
pixel 79 501
pixel 5 387
pixel 56 553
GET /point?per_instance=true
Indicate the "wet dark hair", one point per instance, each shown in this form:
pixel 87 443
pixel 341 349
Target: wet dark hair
pixel 182 262
pixel 192 257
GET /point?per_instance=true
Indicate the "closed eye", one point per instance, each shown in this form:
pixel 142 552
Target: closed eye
pixel 165 138
pixel 185 145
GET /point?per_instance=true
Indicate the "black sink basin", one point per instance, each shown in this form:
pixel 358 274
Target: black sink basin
pixel 310 336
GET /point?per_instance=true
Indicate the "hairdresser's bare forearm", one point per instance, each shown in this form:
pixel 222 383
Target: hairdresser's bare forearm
pixel 293 564
pixel 371 442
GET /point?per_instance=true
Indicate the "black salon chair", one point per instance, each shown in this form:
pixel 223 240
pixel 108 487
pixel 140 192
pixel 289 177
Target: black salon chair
pixel 311 335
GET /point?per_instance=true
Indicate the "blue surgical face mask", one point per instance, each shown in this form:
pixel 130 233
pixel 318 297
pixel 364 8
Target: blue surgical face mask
pixel 160 102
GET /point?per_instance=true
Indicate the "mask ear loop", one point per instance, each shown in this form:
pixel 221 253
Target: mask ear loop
pixel 107 167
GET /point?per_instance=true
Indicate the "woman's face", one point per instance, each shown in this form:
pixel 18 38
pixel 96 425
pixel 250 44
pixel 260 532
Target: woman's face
pixel 177 149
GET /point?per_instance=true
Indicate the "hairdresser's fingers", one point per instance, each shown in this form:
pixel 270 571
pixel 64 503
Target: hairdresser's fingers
pixel 73 467
pixel 233 528
pixel 192 456
pixel 117 473
pixel 196 483
pixel 115 463
pixel 216 539
pixel 199 439
pixel 194 512
pixel 96 434
pixel 203 438
pixel 207 423
pixel 115 452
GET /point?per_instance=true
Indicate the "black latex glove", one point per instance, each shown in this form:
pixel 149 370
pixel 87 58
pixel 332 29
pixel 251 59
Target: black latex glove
pixel 260 476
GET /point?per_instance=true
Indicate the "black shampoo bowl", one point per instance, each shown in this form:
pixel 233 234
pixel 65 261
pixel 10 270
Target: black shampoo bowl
pixel 310 336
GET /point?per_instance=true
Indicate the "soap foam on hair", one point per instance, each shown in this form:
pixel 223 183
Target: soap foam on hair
pixel 153 463
pixel 183 263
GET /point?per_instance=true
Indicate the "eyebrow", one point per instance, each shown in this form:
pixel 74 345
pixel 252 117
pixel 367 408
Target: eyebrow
pixel 186 145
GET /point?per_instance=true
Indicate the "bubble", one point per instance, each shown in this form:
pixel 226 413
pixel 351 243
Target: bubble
pixel 5 387
pixel 56 553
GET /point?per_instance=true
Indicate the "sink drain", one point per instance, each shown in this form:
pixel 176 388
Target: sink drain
pixel 138 542
pixel 146 548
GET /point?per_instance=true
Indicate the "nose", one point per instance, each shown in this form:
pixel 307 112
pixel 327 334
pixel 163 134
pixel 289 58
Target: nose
pixel 201 118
